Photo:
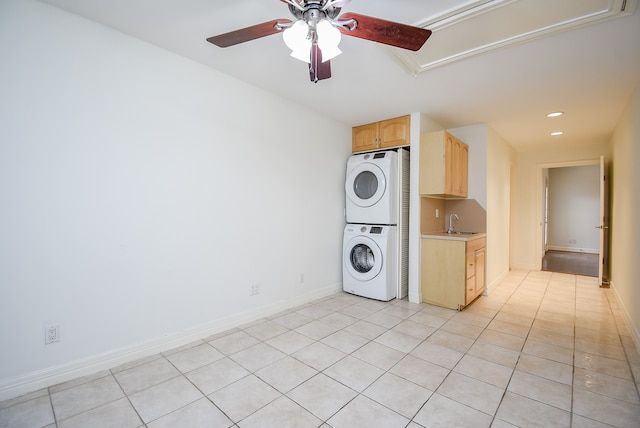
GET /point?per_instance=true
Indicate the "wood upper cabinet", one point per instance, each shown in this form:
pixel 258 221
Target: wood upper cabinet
pixel 452 271
pixel 444 165
pixel 380 135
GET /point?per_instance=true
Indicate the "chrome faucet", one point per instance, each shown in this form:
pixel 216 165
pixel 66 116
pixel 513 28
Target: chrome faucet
pixel 450 230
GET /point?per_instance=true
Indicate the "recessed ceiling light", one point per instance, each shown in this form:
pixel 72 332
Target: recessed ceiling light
pixel 555 114
pixel 557 133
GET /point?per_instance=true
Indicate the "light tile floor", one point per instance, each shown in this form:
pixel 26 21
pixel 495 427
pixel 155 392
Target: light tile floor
pixel 545 350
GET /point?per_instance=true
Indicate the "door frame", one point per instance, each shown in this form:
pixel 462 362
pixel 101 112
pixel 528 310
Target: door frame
pixel 540 200
pixel 603 268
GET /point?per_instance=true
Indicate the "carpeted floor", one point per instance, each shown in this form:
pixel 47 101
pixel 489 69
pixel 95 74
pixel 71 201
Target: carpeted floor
pixel 570 262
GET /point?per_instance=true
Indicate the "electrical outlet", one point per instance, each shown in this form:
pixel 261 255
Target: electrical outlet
pixel 255 289
pixel 301 278
pixel 437 213
pixel 51 334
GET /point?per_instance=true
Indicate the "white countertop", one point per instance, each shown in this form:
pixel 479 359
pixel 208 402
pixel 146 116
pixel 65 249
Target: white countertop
pixel 454 236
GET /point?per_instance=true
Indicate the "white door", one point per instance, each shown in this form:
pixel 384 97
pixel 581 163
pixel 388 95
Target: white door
pixel 545 220
pixel 603 270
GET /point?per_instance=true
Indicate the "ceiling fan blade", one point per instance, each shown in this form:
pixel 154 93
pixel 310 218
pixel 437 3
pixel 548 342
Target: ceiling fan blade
pixel 387 32
pixel 247 34
pixel 294 3
pixel 338 3
pixel 318 70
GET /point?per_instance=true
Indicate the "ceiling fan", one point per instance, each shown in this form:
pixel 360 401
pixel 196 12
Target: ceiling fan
pixel 315 33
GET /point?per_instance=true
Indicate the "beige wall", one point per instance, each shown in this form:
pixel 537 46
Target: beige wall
pixel 490 164
pixel 625 212
pixel 500 160
pixel 525 216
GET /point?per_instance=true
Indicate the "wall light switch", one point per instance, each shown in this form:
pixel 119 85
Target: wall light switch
pixel 437 213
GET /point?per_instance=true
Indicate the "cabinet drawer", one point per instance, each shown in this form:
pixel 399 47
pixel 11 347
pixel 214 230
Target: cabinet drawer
pixel 470 292
pixel 471 262
pixel 476 244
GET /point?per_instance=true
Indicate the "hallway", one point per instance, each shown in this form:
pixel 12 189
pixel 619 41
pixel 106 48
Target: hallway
pixel 571 262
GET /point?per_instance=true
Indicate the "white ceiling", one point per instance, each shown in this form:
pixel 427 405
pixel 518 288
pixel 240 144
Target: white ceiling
pixel 589 72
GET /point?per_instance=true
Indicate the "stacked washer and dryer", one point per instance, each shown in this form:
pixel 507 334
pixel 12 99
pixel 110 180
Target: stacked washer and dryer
pixel 375 244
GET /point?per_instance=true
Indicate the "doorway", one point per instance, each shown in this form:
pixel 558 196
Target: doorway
pixel 570 198
pixel 571 262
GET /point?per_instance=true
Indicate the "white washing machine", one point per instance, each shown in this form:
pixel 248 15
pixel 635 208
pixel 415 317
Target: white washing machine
pixel 370 261
pixel 372 188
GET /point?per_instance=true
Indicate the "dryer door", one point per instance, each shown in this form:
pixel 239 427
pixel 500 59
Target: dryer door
pixel 363 258
pixel 365 185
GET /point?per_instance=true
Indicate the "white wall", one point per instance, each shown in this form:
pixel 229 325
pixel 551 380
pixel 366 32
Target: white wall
pixel 574 208
pixel 143 193
pixel 625 212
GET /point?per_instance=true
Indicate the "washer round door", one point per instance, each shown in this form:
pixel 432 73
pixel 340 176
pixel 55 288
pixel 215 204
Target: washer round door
pixel 365 185
pixel 363 258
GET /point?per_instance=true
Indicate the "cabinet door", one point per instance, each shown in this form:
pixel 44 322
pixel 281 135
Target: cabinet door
pixel 364 137
pixel 394 132
pixel 480 270
pixel 457 167
pixel 442 272
pixel 444 164
pixel 450 164
pixel 463 169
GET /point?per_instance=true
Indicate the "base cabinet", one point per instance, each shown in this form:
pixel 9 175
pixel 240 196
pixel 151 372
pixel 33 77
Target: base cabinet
pixel 452 271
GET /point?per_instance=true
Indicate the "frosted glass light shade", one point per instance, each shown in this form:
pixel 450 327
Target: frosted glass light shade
pixel 328 40
pixel 296 38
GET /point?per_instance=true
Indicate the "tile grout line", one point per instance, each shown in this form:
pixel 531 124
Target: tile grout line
pixel 127 396
pixel 513 291
pixel 624 348
pixel 495 416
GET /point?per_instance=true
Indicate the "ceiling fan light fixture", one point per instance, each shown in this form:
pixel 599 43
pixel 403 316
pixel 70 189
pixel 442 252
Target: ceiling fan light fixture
pixel 328 40
pixel 297 39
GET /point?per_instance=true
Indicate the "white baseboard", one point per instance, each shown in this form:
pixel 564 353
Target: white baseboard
pixel 635 334
pixel 574 249
pixel 415 298
pixel 34 381
pixel 525 267
pixel 495 282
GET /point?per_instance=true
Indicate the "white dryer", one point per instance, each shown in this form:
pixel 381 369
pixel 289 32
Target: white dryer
pixel 372 188
pixel 370 261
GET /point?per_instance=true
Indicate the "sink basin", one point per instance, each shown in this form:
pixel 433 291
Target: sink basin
pixel 463 233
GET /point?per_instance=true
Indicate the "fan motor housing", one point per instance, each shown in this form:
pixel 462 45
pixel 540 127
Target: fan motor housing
pixel 317 6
